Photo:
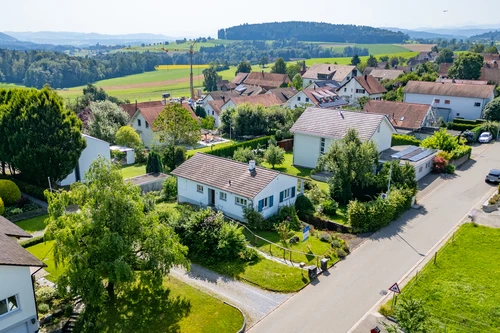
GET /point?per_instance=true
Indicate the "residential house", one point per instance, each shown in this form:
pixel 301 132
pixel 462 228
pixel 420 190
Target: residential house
pixel 457 81
pixel 327 72
pixel 405 117
pixel 320 97
pixel 361 86
pixel 214 109
pixel 386 74
pixel 264 100
pixel 449 99
pixel 421 58
pixel 316 129
pixel 333 85
pixel 264 80
pixel 228 186
pixel 239 78
pixel 490 73
pixel 132 108
pixel 283 94
pixel 18 311
pixel 249 90
pixel 143 119
pixel 419 158
pixel 95 148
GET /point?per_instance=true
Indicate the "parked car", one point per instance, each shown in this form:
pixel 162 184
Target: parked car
pixel 493 176
pixel 485 137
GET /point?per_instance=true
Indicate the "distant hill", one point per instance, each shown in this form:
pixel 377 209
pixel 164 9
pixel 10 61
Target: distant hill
pixel 79 38
pixel 415 34
pixel 313 32
pixel 6 38
pixel 492 36
pixel 467 31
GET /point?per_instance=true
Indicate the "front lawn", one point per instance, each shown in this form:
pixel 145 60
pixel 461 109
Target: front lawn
pixel 264 273
pixel 44 252
pixel 134 170
pixel 340 216
pixel 33 224
pixel 462 291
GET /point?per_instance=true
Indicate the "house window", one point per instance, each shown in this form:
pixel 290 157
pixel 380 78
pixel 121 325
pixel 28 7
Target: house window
pixel 212 112
pixel 223 196
pixel 139 122
pixel 199 188
pixel 266 203
pixel 8 305
pixel 360 91
pixel 345 89
pixel 378 129
pixel 298 98
pixel 437 100
pixel 322 146
pixel 287 194
pixel 477 104
pixel 147 124
pixel 458 114
pixel 307 99
pixel 447 101
pixel 420 169
pixel 241 201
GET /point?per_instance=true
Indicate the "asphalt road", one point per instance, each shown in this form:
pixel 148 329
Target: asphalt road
pixel 337 301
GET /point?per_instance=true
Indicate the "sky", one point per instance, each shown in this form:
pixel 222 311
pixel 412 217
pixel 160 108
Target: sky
pixel 203 18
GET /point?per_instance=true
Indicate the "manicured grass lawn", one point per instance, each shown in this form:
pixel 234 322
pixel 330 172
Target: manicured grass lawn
pixel 264 273
pixel 463 288
pixel 207 149
pixel 43 251
pixel 134 170
pixel 340 217
pixel 33 224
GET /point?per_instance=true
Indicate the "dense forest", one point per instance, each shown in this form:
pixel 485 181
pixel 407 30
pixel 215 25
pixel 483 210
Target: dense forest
pixel 312 31
pixel 492 36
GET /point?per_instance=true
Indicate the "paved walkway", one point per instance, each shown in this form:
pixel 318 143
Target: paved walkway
pixel 254 302
pixel 37 201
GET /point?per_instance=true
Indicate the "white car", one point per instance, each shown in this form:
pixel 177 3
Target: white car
pixel 485 137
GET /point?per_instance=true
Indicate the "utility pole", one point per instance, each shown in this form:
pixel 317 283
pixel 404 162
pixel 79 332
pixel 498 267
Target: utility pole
pixel 191 51
pixel 389 183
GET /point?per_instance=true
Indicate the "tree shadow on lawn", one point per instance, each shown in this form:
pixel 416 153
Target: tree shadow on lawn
pixel 144 309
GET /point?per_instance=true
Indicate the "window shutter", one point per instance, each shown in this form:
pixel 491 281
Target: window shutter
pixel 281 196
pixel 293 192
pixel 260 206
pixel 271 200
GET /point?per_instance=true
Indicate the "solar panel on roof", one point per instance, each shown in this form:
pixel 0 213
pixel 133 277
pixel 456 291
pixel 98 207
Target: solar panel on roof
pixel 318 96
pixel 329 93
pixel 422 155
pixel 322 93
pixel 405 152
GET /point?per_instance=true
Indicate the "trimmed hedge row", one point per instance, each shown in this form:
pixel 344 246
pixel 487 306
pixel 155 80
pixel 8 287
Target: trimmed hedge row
pixel 404 140
pixel 32 241
pixel 229 150
pixel 467 121
pixel 461 127
pixel 33 190
pixel 477 132
pixel 461 151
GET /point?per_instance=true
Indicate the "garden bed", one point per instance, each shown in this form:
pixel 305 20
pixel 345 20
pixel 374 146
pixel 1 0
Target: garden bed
pixel 22 208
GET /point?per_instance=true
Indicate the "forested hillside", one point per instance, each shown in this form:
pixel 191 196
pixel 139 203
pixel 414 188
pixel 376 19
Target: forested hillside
pixel 487 37
pixel 6 38
pixel 312 31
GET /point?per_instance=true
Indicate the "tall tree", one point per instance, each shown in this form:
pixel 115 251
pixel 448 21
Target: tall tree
pixel 352 163
pixel 371 61
pixel 128 137
pixel 274 155
pixel 109 241
pixel 279 66
pixel 244 67
pixel 263 61
pixel 491 49
pixel 445 56
pixel 355 60
pixel 107 119
pixel 492 110
pixel 394 61
pixel 39 137
pixel 210 79
pixel 176 126
pixel 467 66
pixel 297 81
pixel 293 70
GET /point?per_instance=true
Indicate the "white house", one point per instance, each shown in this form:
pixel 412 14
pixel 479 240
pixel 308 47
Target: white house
pixel 228 186
pixel 451 99
pixel 361 86
pixel 18 311
pixel 316 129
pixel 95 148
pixel 320 97
pixel 328 72
pixel 419 158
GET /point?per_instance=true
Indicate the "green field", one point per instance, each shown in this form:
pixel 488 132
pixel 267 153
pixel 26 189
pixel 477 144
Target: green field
pixel 372 48
pixel 174 47
pixel 347 60
pixel 462 290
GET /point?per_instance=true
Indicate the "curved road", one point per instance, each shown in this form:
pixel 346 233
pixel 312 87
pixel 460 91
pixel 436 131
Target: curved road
pixel 337 301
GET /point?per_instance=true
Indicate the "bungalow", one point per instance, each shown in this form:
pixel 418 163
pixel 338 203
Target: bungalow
pixel 228 186
pixel 386 74
pixel 316 129
pixel 264 80
pixel 361 86
pixel 320 97
pixel 405 117
pixel 18 312
pixel 95 148
pixel 323 72
pixel 449 99
pixel 419 158
pixel 144 117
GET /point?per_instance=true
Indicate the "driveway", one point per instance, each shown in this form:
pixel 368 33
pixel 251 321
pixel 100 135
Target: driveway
pixel 336 302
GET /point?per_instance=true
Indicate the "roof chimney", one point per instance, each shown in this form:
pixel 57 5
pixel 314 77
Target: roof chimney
pixel 262 73
pixel 223 99
pixel 135 105
pixel 251 165
pixel 229 182
pixel 366 77
pixel 328 67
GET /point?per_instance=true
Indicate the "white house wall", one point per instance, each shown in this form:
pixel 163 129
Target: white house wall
pixel 348 92
pixel 299 99
pixel 424 167
pixel 145 133
pixel 460 106
pixel 211 112
pixel 280 183
pixel 383 137
pixel 16 280
pixel 306 150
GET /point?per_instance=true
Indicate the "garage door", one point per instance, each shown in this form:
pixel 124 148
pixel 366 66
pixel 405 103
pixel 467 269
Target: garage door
pixel 22 328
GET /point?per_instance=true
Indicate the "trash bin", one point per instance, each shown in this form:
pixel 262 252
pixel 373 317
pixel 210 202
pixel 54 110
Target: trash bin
pixel 324 264
pixel 312 272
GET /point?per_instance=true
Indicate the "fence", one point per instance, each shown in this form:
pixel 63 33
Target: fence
pixel 286 144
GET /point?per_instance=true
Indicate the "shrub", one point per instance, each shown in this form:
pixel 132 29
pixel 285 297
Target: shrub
pixel 245 154
pixel 336 244
pixel 250 255
pixel 439 164
pixel 43 308
pixel 385 310
pixel 341 253
pixel 154 163
pixel 304 207
pixel 45 294
pixel 254 219
pixel 461 127
pixel 170 188
pixel 490 126
pixel 9 192
pixel 468 121
pixel 14 211
pixel 228 151
pixel 494 199
pixel 32 241
pixel 208 123
pixel 403 140
pixel 2 207
pixel 289 213
pixel 330 207
pixel 324 237
pixel 449 169
pixel 22 202
pixel 316 195
pixel 118 155
pixel 461 151
pixel 444 154
pixel 141 153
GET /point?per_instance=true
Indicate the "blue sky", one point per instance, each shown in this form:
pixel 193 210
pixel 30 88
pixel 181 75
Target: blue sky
pixel 203 18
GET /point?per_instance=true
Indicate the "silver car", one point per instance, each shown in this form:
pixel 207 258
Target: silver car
pixel 493 176
pixel 485 137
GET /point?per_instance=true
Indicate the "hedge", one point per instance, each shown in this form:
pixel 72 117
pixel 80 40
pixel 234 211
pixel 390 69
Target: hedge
pixel 9 192
pixel 403 140
pixel 33 190
pixel 461 127
pixel 229 150
pixel 32 241
pixel 467 121
pixel 461 151
pixel 477 132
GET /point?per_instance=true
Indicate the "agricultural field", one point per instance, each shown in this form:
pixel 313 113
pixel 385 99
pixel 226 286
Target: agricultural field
pixel 372 48
pixel 347 60
pixel 173 47
pixel 418 47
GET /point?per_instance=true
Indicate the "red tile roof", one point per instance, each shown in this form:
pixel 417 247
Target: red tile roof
pixel 217 105
pixel 150 114
pixel 402 115
pixel 133 107
pixel 266 80
pixel 370 84
pixel 449 89
pixel 264 100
